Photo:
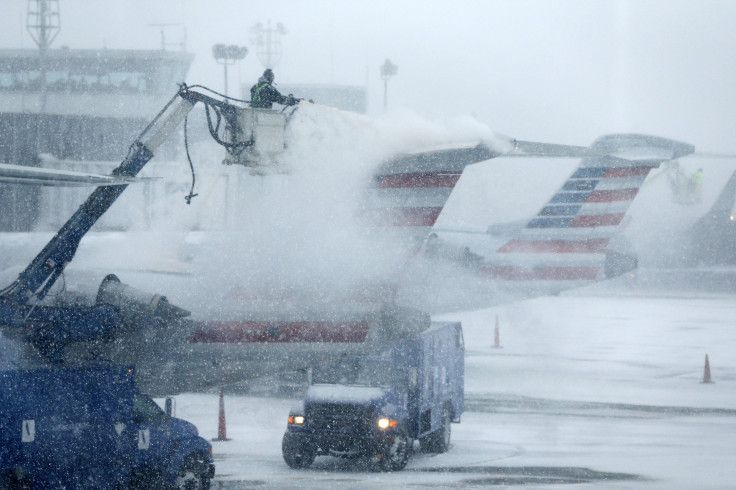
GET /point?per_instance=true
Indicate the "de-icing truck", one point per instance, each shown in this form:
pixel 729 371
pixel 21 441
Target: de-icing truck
pixel 87 426
pixel 377 405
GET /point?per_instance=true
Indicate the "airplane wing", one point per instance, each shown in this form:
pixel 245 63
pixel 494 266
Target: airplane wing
pixel 638 146
pixel 18 174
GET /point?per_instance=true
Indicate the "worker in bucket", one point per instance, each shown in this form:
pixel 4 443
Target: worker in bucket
pixel 263 94
pixel 696 185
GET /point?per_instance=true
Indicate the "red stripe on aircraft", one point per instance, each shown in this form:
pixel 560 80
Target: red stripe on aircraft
pixel 591 246
pixel 419 180
pixel 588 221
pixel 414 216
pixel 619 172
pixel 515 273
pixel 614 195
pixel 263 332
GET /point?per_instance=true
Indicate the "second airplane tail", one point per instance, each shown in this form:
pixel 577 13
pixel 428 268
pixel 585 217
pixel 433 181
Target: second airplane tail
pixel 572 237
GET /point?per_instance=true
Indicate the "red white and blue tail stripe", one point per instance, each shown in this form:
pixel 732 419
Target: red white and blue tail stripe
pixel 570 239
pixel 409 192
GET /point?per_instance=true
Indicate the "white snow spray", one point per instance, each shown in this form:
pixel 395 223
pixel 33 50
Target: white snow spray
pixel 297 231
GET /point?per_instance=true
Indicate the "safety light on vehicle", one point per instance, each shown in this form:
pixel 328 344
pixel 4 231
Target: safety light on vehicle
pixel 296 419
pixel 385 423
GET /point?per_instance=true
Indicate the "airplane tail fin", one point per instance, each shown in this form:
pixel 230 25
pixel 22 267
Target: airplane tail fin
pixel 409 192
pixel 722 209
pixel 711 238
pixel 571 239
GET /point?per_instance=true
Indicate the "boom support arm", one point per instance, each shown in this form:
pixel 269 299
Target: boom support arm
pixel 48 265
pixel 19 302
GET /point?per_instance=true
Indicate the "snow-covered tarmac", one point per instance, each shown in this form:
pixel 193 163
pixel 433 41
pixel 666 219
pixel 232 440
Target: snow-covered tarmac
pixel 599 388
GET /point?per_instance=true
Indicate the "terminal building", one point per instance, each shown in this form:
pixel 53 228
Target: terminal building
pixel 80 106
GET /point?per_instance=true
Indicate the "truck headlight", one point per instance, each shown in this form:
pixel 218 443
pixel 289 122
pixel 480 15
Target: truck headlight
pixel 385 423
pixel 296 419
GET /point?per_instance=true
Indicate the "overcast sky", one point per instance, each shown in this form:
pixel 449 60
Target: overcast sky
pixel 564 71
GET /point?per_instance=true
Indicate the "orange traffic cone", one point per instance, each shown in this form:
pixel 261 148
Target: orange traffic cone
pixel 221 432
pixel 706 371
pixel 496 336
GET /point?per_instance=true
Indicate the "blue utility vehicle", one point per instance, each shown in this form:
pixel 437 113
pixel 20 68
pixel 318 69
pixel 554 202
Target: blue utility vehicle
pixel 88 427
pixel 377 405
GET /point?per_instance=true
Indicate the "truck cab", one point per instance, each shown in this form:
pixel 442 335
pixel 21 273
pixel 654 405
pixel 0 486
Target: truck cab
pixel 169 450
pixel 87 426
pixel 377 405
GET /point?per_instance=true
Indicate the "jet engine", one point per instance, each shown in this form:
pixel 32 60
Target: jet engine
pixel 135 304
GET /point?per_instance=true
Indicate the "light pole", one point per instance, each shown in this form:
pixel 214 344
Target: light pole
pixel 388 70
pixel 228 55
pixel 268 43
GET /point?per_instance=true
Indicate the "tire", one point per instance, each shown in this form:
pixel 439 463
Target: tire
pixel 439 440
pixel 193 474
pixel 297 452
pixel 397 452
pixel 10 480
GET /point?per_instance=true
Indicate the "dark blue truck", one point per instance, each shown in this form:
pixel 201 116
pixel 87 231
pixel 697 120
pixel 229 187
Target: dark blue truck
pixel 88 427
pixel 377 405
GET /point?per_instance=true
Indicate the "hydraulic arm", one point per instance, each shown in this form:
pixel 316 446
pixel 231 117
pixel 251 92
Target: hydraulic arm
pixel 20 303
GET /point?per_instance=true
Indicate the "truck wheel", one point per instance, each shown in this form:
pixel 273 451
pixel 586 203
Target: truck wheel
pixel 297 453
pixel 193 474
pixel 439 440
pixel 10 480
pixel 397 453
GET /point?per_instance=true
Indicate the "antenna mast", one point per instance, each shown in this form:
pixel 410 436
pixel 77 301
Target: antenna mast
pixel 164 44
pixel 43 23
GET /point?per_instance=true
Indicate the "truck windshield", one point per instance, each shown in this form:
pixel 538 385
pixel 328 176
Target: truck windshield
pixel 355 372
pixel 145 411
